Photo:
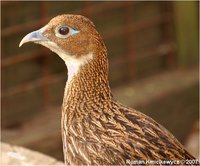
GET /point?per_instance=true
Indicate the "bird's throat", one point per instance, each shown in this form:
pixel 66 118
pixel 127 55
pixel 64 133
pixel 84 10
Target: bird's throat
pixel 74 64
pixel 87 81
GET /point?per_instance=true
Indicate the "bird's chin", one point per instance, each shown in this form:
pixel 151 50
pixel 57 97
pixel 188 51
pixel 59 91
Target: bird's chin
pixel 38 42
pixel 50 45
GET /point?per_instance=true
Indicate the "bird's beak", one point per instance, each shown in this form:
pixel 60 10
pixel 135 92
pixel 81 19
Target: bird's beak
pixel 35 36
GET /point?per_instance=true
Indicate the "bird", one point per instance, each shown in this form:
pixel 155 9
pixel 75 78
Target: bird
pixel 96 128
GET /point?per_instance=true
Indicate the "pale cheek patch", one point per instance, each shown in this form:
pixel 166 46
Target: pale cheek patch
pixel 72 70
pixel 73 64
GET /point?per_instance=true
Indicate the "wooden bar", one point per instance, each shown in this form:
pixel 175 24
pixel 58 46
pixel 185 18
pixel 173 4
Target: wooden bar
pixel 130 41
pixel 34 84
pixel 168 34
pixel 20 28
pixel 137 26
pixel 45 72
pixel 187 32
pixel 18 58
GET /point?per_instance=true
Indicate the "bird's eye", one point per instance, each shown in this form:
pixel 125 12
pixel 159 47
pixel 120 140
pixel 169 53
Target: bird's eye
pixel 63 30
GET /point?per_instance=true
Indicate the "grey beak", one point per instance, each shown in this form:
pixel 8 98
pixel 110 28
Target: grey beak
pixel 34 36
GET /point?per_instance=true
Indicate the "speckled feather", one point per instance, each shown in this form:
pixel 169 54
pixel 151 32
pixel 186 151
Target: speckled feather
pixel 99 130
pixel 96 129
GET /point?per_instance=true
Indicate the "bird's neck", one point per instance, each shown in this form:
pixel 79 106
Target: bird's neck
pixel 88 82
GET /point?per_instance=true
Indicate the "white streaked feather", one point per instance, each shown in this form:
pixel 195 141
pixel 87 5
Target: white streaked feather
pixel 74 144
pixel 70 148
pixel 83 154
pixel 72 130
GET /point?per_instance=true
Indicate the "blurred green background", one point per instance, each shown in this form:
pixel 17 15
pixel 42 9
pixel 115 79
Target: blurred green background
pixel 153 50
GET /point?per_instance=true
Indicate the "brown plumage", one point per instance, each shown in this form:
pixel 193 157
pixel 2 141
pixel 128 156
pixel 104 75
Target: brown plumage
pixel 96 129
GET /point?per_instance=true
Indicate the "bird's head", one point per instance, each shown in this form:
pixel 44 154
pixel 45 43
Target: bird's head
pixel 69 36
pixel 73 37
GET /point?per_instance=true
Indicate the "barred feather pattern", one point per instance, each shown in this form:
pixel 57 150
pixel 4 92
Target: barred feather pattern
pixel 98 130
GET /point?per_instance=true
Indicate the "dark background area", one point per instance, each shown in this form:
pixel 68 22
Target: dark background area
pixel 153 53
